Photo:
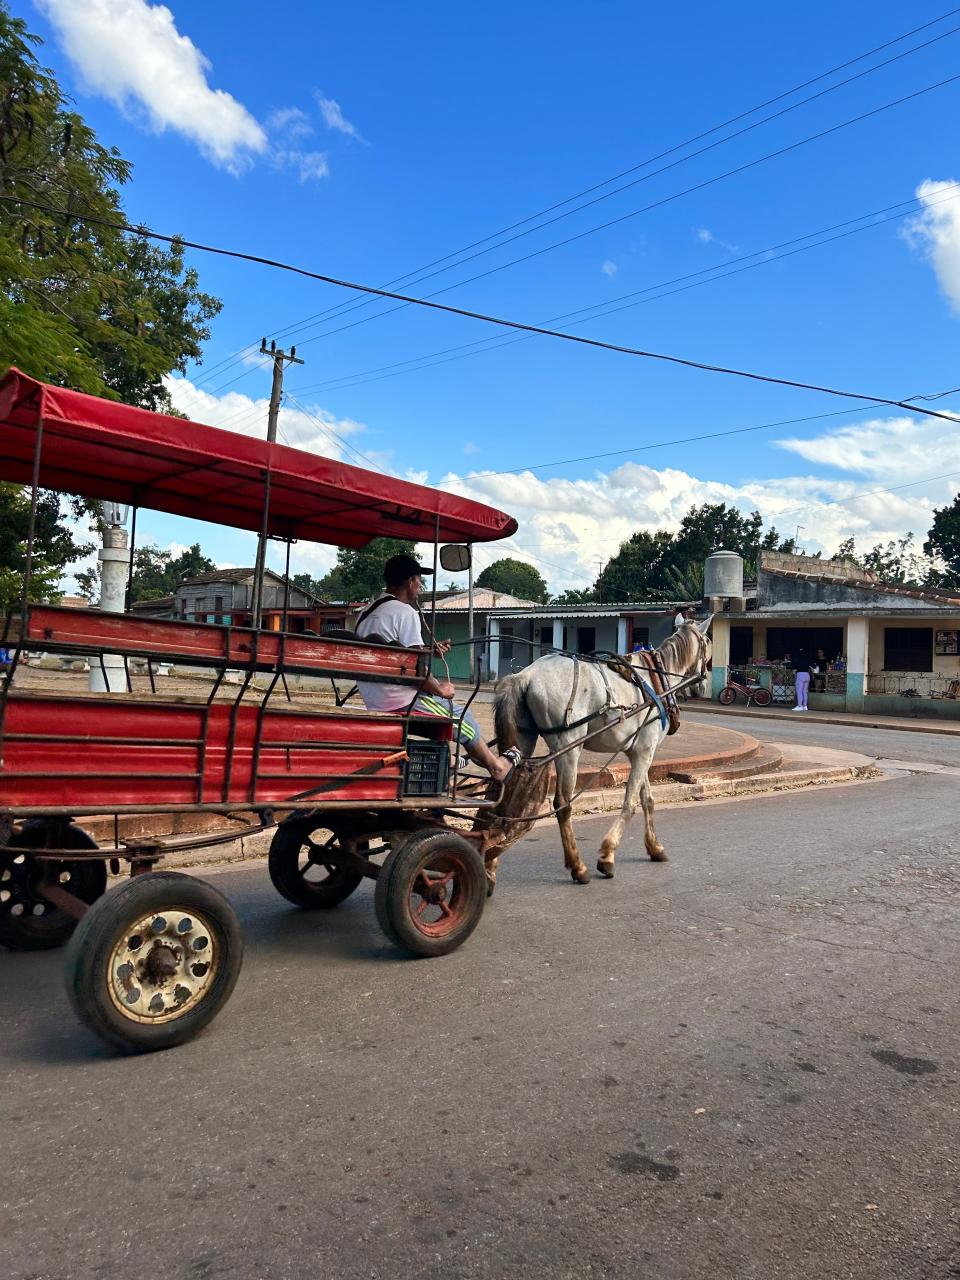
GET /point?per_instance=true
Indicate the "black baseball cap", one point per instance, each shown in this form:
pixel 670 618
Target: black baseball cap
pixel 399 568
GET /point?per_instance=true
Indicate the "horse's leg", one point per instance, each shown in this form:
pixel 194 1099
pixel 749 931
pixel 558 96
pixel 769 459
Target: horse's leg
pixel 636 790
pixel 654 847
pixel 566 767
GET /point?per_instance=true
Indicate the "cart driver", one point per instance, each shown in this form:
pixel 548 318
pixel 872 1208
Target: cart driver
pixel 395 617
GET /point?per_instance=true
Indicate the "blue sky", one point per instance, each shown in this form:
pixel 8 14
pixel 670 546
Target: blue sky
pixel 368 141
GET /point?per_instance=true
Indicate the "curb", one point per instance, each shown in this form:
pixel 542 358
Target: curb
pixel 714 709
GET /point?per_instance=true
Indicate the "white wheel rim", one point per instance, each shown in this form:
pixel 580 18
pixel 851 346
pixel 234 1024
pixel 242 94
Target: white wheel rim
pixel 163 965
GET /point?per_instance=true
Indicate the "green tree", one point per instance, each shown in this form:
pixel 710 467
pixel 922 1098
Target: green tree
pixel 943 543
pixel 572 595
pixel 156 573
pixel 515 578
pixel 54 545
pixel 81 304
pixel 358 573
pixel 899 563
pixel 636 570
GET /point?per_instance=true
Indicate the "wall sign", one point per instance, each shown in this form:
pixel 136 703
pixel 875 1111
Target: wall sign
pixel 945 642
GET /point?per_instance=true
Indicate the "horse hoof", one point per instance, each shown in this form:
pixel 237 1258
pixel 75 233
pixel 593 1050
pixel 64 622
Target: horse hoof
pixel 658 854
pixel 605 868
pixel 491 885
pixel 580 875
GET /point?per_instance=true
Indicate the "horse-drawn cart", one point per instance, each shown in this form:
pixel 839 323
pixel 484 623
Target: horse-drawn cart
pixel 152 961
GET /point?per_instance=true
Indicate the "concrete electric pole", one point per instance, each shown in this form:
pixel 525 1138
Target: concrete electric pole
pixel 279 357
pixel 114 556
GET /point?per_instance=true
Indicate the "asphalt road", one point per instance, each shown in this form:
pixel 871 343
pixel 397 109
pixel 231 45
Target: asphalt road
pixel 742 1063
pixel 884 744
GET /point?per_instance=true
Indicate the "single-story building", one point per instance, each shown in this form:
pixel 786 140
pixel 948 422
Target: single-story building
pixel 453 624
pixel 226 596
pixel 883 649
pixel 517 637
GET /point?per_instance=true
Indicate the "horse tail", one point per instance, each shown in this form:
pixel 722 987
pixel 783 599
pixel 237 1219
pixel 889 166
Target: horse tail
pixel 511 717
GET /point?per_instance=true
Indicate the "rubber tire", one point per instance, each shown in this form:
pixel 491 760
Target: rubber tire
pixel 726 696
pixel 89 953
pixel 54 928
pixel 395 882
pixel 283 866
pixel 763 697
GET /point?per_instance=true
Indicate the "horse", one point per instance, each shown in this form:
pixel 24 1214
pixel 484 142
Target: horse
pixel 562 698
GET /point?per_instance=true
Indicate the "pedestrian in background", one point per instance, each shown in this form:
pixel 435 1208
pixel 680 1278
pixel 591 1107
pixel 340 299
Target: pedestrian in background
pixel 801 665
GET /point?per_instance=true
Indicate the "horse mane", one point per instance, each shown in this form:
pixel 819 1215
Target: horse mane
pixel 679 651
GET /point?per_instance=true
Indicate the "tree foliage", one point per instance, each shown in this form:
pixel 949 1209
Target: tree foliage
pixel 943 543
pixel 666 565
pixel 514 578
pixel 156 573
pixel 53 545
pixel 81 304
pixel 899 562
pixel 358 573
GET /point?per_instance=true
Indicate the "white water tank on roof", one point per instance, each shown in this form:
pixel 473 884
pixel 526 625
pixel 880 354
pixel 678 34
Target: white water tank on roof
pixel 723 574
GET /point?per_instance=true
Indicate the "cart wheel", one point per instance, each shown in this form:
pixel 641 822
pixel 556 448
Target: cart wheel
pixel 763 697
pixel 431 892
pixel 154 961
pixel 28 922
pixel 303 864
pixel 726 695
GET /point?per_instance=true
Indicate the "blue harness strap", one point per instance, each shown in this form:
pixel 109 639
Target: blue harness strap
pixel 648 693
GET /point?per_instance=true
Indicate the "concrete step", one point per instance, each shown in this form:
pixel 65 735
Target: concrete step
pixel 765 758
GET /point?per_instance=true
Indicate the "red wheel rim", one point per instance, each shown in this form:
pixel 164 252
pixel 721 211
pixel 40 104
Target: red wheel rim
pixel 440 898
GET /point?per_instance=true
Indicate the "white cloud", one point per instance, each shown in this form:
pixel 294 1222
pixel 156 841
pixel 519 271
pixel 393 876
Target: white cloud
pixel 306 165
pixel 704 235
pixel 567 525
pixel 334 118
pixel 248 416
pixel 609 268
pixel 470 447
pixel 936 233
pixel 888 451
pixel 131 53
pixel 291 122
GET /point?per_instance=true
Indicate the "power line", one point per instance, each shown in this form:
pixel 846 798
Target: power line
pixel 300 325
pixel 656 204
pixel 643 178
pixel 447 308
pixel 718 272
pixel 336 436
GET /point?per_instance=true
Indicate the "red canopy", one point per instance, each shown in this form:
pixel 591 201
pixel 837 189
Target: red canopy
pixel 101 449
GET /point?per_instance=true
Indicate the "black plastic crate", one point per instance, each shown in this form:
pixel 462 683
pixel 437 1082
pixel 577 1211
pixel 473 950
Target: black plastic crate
pixel 427 768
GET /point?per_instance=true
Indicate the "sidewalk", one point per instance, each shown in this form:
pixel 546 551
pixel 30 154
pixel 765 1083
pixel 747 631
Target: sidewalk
pixel 905 724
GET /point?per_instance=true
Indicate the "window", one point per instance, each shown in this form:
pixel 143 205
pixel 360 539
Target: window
pixel 218 608
pixel 908 648
pixel 198 609
pixel 640 635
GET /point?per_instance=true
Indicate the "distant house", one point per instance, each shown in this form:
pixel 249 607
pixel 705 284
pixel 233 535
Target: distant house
pixel 887 649
pixel 518 637
pixel 453 623
pixel 226 596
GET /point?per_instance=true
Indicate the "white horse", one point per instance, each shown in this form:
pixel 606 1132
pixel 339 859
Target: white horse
pixel 562 699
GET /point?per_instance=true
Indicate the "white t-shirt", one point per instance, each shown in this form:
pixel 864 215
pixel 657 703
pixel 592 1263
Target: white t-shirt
pixel 399 622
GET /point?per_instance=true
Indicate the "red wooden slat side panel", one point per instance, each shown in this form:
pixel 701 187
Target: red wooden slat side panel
pixel 170 639
pixel 59 772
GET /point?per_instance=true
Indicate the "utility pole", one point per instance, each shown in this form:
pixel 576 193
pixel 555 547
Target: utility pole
pixel 109 675
pixel 279 357
pixel 600 582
